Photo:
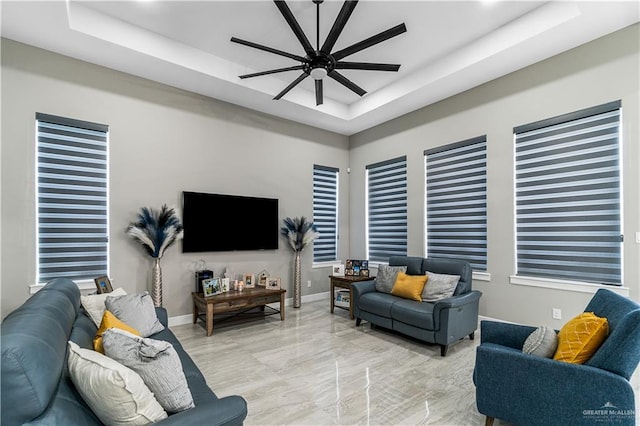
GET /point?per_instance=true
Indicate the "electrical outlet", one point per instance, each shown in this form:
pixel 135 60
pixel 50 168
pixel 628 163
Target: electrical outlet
pixel 557 313
pixel 309 284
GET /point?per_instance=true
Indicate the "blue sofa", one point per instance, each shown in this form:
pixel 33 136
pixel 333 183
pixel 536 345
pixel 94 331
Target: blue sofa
pixel 442 322
pixel 531 390
pixel 36 386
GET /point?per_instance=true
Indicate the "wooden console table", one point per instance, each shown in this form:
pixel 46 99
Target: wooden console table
pixel 234 301
pixel 345 282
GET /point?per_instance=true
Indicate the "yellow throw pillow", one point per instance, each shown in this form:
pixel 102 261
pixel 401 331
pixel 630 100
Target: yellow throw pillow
pixel 409 286
pixel 110 321
pixel 581 337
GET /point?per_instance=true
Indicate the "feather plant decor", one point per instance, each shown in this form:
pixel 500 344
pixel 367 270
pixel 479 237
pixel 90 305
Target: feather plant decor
pixel 299 232
pixel 156 230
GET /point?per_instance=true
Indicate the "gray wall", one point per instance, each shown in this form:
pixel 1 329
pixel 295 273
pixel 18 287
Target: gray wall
pixel 601 71
pixel 162 141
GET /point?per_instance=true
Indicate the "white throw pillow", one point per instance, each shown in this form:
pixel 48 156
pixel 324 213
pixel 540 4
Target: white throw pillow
pixel 137 311
pixel 115 393
pixel 94 304
pixel 156 361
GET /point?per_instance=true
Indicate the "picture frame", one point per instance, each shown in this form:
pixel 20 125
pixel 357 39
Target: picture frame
pixel 262 278
pixel 224 285
pixel 357 268
pixel 273 283
pixel 211 287
pixel 249 280
pixel 337 270
pixel 103 284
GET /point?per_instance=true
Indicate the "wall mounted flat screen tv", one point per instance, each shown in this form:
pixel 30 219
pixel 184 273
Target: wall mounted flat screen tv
pixel 219 222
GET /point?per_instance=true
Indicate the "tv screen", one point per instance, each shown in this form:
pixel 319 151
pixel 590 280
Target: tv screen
pixel 219 222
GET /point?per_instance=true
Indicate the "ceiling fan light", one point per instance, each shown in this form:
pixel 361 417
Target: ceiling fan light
pixel 318 73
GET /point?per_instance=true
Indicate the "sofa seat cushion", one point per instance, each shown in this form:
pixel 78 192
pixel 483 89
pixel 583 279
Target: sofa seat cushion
pixel 377 303
pixel 418 314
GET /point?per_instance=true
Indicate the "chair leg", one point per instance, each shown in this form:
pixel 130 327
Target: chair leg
pixel 443 350
pixel 488 421
pixel 358 320
pixel 472 335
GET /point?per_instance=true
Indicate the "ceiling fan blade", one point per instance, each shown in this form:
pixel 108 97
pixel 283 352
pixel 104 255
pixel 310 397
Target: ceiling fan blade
pixel 378 38
pixel 366 66
pixel 338 26
pixel 346 82
pixel 295 27
pixel 268 49
pixel 291 86
pixel 258 74
pixel 319 97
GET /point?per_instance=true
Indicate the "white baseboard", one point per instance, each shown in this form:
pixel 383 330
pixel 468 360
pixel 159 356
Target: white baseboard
pixel 188 319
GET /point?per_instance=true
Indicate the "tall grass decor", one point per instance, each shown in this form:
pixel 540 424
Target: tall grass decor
pixel 156 231
pixel 299 232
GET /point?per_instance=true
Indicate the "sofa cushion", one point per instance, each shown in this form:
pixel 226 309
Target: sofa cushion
pixel 110 321
pixel 158 364
pixel 581 337
pixel 386 277
pixel 409 286
pixel 413 264
pixel 137 311
pixel 115 393
pixel 377 303
pixel 543 341
pixel 439 286
pixel 417 314
pixel 94 304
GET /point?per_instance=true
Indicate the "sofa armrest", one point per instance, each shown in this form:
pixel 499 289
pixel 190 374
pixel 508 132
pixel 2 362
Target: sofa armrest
pixel 513 386
pixel 361 287
pixel 227 411
pixel 162 316
pixel 456 301
pixel 505 334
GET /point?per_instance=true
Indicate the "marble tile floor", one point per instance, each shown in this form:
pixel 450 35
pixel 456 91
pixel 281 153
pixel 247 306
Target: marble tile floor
pixel 316 368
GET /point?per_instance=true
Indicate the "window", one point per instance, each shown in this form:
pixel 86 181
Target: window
pixel 325 213
pixel 568 196
pixel 456 201
pixel 387 209
pixel 72 203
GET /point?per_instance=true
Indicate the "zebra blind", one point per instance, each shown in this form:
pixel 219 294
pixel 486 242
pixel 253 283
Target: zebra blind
pixel 72 209
pixel 387 209
pixel 568 196
pixel 325 213
pixel 456 201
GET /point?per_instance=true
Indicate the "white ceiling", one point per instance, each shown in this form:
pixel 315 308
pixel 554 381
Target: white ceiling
pixel 449 47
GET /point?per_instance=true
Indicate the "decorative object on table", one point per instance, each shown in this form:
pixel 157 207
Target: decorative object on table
pixel 249 280
pixel 241 286
pixel 156 231
pixel 211 287
pixel 261 278
pixel 338 270
pixel 202 275
pixel 228 273
pixel 103 284
pixel 224 284
pixel 357 268
pixel 273 283
pixel 299 232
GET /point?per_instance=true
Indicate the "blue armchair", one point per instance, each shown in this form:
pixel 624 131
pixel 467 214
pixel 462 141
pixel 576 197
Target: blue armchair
pixel 530 390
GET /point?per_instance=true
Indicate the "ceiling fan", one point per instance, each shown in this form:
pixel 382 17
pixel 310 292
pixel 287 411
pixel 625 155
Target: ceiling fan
pixel 320 62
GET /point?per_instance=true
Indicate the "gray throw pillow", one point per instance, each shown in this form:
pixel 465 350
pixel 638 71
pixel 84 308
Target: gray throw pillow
pixel 542 342
pixel 156 361
pixel 439 286
pixel 386 277
pixel 137 311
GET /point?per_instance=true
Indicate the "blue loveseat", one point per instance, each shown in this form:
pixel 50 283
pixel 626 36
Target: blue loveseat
pixel 36 386
pixel 443 322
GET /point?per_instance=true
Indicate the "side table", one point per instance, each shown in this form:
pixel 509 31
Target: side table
pixel 345 282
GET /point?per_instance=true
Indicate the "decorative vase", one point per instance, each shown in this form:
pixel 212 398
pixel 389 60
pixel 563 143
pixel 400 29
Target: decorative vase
pixel 297 287
pixel 156 283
